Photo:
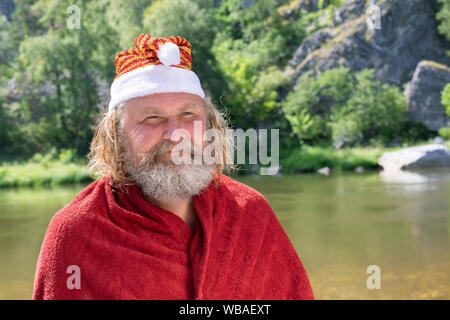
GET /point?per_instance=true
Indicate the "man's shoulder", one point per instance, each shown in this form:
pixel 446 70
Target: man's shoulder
pixel 242 193
pixel 248 206
pixel 84 206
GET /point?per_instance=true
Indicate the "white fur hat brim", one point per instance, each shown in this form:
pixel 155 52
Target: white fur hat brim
pixel 153 79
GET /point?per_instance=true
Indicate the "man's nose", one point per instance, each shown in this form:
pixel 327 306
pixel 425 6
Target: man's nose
pixel 171 126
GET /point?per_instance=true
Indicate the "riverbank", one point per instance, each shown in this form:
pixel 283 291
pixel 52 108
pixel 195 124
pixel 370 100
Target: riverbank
pixel 64 168
pixel 38 174
pixel 312 158
pixel 52 168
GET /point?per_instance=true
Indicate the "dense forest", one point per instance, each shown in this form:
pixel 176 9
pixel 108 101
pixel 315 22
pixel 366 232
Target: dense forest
pixel 55 75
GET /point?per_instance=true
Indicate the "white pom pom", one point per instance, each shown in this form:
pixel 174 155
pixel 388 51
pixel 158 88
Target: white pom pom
pixel 169 54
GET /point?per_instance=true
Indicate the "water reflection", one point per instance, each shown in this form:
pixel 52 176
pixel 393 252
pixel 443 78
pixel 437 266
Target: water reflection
pixel 419 180
pixel 427 208
pixel 341 224
pixel 24 217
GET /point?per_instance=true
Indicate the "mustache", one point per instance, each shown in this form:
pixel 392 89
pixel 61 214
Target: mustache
pixel 167 146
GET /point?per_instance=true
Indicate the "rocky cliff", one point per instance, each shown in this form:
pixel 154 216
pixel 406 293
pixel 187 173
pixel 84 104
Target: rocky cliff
pixel 405 35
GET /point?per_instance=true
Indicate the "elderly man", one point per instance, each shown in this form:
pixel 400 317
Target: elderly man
pixel 151 228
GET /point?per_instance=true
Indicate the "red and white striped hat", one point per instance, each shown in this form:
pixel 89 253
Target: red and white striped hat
pixel 155 65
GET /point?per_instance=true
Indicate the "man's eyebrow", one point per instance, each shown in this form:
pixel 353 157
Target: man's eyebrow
pixel 188 105
pixel 150 109
pixel 147 109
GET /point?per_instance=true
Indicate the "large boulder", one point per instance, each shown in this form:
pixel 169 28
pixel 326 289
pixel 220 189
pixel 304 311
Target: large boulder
pixel 423 95
pixel 426 156
pixel 408 35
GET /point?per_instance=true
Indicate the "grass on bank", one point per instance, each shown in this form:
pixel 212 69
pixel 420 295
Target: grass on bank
pixel 312 158
pixel 50 169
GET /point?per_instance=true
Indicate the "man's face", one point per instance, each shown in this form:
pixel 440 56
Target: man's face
pixel 148 124
pixel 150 121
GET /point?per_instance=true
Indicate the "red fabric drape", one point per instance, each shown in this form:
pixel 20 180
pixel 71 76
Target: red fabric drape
pixel 127 248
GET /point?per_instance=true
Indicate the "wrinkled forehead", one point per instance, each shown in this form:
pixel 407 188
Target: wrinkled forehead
pixel 164 103
pixel 158 109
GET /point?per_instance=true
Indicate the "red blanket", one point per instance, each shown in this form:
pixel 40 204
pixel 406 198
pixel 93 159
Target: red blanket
pixel 107 244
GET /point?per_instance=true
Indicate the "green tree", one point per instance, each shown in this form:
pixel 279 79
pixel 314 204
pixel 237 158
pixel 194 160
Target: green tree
pixel 7 125
pixel 374 112
pixel 193 20
pixel 445 99
pixel 126 18
pixel 344 108
pixel 444 132
pixel 308 105
pixel 251 49
pixel 444 17
pixel 71 61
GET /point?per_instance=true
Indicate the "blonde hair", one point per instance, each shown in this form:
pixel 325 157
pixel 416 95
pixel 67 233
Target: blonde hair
pixel 106 156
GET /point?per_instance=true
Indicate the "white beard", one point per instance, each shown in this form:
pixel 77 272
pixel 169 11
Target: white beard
pixel 161 181
pixel 165 180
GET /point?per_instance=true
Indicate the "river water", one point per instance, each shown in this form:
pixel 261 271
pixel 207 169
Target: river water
pixel 340 225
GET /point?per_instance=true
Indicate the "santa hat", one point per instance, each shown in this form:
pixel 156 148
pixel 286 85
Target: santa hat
pixel 155 65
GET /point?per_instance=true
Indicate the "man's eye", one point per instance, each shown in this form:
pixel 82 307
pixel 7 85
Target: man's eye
pixel 152 117
pixel 187 113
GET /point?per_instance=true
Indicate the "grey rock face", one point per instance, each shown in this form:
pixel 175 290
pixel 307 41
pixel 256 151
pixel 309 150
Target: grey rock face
pixel 423 95
pixel 7 8
pixel 310 44
pixel 438 140
pixel 427 156
pixel 294 10
pixel 350 10
pixel 408 35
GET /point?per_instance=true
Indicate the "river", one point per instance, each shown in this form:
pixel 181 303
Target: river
pixel 340 225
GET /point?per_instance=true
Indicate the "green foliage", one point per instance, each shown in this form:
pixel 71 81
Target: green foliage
pixel 193 20
pixel 312 158
pixel 252 47
pixel 50 75
pixel 44 158
pixel 325 13
pixel 308 127
pixel 126 18
pixel 374 111
pixel 63 156
pixel 37 174
pixel 8 128
pixel 239 52
pixel 413 132
pixel 247 22
pixel 51 168
pixel 445 99
pixel 67 155
pixel 6 48
pixel 444 132
pixel 443 17
pixel 252 94
pixel 58 72
pixel 308 106
pixel 349 109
